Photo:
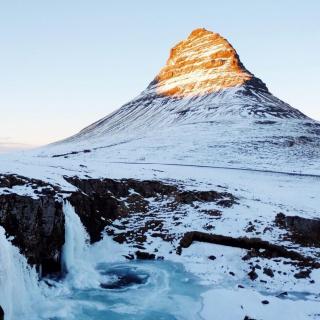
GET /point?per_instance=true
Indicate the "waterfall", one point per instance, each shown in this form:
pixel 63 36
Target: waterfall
pixel 76 260
pixel 19 283
pixel 22 295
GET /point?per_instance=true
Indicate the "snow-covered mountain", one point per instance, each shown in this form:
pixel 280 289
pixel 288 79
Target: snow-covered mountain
pixel 205 169
pixel 204 107
pixel 203 80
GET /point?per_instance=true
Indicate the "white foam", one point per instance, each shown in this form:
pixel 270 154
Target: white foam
pixel 20 288
pixel 76 260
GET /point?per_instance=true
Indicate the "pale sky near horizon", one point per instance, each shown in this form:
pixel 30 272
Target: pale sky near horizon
pixel 66 63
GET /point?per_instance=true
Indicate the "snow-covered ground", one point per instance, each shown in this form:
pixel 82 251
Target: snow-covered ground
pixel 230 294
pixel 270 165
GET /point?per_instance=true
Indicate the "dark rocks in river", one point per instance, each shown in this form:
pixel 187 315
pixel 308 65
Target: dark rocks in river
pixel 123 278
pixel 141 255
pixel 268 272
pixel 303 274
pixel 253 275
pixel 123 282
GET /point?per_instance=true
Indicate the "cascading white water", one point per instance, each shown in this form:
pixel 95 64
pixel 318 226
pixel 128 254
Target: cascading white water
pixel 21 292
pixel 19 285
pixel 76 260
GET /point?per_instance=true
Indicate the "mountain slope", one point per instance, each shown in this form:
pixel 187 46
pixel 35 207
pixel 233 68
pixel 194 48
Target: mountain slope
pixel 203 108
pixel 203 80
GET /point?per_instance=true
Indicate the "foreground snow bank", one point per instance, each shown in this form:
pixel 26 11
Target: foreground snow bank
pixel 227 304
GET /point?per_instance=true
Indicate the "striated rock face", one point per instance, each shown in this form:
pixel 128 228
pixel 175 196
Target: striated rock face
pixel 37 225
pixel 31 212
pixel 203 63
pixel 203 80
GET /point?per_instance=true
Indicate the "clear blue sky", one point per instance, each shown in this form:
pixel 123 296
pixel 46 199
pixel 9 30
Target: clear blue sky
pixel 67 63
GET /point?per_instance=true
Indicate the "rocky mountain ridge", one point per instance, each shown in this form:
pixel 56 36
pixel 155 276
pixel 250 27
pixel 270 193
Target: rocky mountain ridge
pixel 203 63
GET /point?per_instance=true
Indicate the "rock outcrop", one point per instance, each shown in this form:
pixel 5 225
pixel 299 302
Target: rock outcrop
pixel 260 247
pixel 36 223
pixel 99 202
pixel 31 211
pixel 203 63
pixel 304 231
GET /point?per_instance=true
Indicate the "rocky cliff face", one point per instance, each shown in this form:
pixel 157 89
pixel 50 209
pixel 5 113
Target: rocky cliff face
pixel 202 64
pixel 99 202
pixel 36 222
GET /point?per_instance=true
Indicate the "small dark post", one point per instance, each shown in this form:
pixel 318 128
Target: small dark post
pixel 1 313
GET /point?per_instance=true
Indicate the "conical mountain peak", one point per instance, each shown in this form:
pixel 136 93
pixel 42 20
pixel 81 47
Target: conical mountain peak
pixel 203 80
pixel 203 63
